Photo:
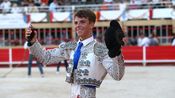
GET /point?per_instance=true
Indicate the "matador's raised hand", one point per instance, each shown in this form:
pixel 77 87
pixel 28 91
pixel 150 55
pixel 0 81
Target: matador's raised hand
pixel 114 38
pixel 30 35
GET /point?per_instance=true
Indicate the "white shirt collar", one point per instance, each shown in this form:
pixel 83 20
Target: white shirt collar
pixel 87 41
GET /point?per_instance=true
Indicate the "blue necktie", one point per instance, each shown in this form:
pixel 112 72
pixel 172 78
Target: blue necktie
pixel 77 55
pixel 76 58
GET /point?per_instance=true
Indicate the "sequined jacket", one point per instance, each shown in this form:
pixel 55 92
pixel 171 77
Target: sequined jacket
pixel 93 65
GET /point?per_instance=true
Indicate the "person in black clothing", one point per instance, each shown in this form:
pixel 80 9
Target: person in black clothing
pixel 59 64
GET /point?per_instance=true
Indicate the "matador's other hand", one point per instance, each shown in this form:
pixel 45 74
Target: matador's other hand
pixel 30 35
pixel 114 38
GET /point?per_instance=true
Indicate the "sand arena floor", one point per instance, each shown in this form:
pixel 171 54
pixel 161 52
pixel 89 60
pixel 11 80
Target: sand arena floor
pixel 138 82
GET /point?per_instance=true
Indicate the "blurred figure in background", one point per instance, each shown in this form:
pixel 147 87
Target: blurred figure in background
pixel 15 8
pixel 53 6
pixel 5 6
pixel 153 40
pixel 32 8
pixel 143 40
pixel 173 40
pixel 2 40
pixel 132 41
pixel 59 64
pixel 48 40
pixel 123 11
pixel 64 61
pixel 31 57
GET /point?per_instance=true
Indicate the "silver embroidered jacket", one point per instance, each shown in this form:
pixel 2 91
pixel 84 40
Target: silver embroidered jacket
pixel 93 65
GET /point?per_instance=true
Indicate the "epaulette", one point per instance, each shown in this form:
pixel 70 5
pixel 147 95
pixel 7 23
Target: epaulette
pixel 68 45
pixel 100 49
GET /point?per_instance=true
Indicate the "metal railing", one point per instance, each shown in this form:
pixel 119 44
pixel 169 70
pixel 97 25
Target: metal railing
pixel 15 37
pixel 95 7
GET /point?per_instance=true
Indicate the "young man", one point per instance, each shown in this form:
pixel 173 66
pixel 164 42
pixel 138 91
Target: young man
pixel 90 60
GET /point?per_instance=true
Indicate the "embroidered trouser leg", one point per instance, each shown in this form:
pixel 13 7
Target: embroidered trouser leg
pixel 79 91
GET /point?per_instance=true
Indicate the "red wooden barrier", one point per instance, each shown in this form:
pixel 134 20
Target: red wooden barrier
pixel 160 53
pixel 20 54
pixel 4 55
pixel 132 54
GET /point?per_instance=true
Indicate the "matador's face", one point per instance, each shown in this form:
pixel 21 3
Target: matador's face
pixel 83 27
